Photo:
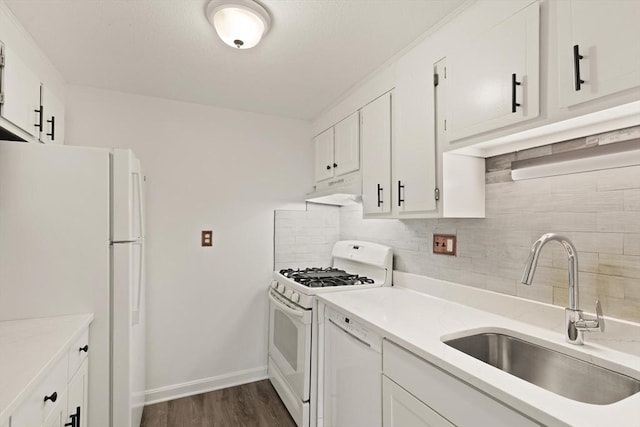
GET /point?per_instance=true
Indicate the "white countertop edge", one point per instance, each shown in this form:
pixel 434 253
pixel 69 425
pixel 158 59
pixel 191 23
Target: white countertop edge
pixel 619 332
pixel 82 321
pixel 533 401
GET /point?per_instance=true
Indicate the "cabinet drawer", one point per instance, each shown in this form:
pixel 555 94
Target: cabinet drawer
pixel 34 410
pixel 455 400
pixel 78 352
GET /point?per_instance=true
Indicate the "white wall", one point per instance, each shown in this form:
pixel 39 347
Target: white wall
pixel 206 168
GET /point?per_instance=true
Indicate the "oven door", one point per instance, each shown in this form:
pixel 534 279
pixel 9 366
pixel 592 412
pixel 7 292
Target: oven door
pixel 290 344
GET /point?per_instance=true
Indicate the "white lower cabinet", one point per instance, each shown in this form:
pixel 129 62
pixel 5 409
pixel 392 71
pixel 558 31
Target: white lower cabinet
pixel 61 398
pixel 78 397
pixel 401 409
pixel 58 418
pixel 449 398
pixel 45 399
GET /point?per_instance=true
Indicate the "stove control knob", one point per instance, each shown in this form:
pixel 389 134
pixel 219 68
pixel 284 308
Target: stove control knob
pixel 280 288
pixel 274 284
pixel 288 293
pixel 295 297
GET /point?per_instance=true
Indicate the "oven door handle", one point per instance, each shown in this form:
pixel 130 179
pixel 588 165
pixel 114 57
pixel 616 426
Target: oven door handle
pixel 284 307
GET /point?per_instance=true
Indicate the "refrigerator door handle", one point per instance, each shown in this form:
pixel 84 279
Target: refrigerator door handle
pixel 135 314
pixel 140 212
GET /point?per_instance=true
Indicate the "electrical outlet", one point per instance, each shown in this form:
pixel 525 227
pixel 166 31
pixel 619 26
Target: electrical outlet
pixel 207 238
pixel 444 244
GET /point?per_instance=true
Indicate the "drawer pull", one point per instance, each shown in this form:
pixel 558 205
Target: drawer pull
pixel 53 397
pixel 85 348
pixel 75 419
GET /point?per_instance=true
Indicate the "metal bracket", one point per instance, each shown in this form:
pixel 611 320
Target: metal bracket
pixel 436 193
pixel 436 79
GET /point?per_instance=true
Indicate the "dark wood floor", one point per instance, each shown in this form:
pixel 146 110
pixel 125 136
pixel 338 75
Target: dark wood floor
pixel 253 404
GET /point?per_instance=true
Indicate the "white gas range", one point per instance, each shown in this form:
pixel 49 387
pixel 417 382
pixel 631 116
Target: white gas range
pixel 293 318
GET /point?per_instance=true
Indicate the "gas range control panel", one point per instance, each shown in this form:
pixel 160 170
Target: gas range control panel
pixel 288 293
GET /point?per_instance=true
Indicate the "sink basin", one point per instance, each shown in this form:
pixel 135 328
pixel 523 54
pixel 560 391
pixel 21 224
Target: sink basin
pixel 554 371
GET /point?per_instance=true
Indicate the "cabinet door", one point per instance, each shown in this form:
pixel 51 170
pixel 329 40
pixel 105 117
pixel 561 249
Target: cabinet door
pixel 57 417
pixel 53 126
pixel 347 145
pixel 414 150
pixel 21 88
pixel 376 155
pixel 78 395
pixel 606 34
pixel 401 409
pixel 324 155
pixel 494 79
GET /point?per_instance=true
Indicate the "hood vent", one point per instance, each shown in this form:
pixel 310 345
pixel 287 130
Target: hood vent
pixel 340 191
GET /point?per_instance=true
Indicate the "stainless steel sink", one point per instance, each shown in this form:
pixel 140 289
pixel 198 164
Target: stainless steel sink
pixel 549 369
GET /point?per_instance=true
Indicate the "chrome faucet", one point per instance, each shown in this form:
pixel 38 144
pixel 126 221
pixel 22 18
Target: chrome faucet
pixel 575 321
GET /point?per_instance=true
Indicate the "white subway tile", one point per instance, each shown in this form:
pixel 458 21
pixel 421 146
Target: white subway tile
pixel 619 178
pixel 632 244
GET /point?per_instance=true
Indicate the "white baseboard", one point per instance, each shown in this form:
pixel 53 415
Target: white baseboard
pixel 190 388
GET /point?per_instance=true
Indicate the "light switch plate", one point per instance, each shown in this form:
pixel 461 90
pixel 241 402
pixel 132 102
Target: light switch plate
pixel 444 244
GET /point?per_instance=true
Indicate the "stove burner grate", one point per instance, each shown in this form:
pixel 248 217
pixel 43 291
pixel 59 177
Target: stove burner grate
pixel 324 277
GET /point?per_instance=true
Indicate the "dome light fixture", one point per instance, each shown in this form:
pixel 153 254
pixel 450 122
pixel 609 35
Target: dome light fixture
pixel 239 23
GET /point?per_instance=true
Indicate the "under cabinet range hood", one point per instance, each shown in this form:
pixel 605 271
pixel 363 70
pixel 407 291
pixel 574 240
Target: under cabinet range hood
pixel 340 191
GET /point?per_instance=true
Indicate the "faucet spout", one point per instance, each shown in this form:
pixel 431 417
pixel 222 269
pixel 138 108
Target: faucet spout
pixel 575 321
pixel 572 256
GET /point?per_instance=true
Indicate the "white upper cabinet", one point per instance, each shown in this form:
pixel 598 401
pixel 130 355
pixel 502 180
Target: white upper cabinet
pixel 414 149
pixel 337 149
pixel 53 116
pixel 324 155
pixel 347 145
pixel 376 156
pixel 32 91
pixel 494 77
pixel 21 92
pixel 598 48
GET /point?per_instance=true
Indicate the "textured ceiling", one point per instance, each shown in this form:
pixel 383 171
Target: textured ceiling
pixel 315 51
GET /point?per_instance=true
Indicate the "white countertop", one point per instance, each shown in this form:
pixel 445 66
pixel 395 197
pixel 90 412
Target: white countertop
pixel 418 322
pixel 28 348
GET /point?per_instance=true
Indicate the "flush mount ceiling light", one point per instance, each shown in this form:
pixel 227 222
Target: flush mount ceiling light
pixel 239 23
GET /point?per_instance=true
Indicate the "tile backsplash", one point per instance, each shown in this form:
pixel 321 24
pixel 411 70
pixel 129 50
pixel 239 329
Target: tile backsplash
pixel 599 211
pixel 304 238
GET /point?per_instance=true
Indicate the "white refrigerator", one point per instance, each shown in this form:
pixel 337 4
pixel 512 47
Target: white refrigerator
pixel 72 241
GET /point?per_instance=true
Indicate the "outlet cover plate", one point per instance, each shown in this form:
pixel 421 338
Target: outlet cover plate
pixel 444 244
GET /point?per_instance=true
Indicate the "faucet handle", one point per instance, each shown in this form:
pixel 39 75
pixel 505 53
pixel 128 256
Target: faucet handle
pixel 588 323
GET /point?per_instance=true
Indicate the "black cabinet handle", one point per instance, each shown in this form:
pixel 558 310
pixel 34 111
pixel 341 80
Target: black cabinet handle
pixel 514 83
pixel 85 348
pixel 379 195
pixel 576 66
pixel 40 124
pixel 53 128
pixel 400 195
pixel 335 165
pixel 53 397
pixel 75 419
pixel 328 167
